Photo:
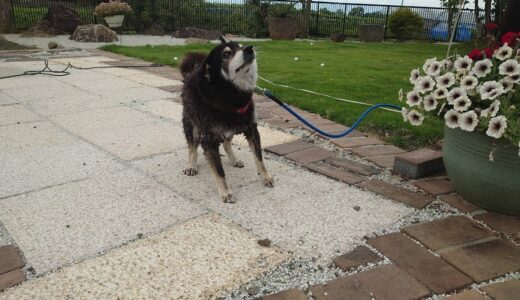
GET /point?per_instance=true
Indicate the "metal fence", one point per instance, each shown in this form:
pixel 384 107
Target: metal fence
pixel 248 17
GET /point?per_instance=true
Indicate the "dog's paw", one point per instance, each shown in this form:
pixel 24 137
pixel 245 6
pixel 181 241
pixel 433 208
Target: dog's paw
pixel 190 171
pixel 238 164
pixel 229 198
pixel 268 181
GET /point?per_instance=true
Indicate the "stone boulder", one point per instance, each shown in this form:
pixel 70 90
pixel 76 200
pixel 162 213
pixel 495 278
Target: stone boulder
pixel 371 32
pixel 58 20
pixel 338 37
pixel 94 33
pixel 283 28
pixel 192 32
pixel 153 29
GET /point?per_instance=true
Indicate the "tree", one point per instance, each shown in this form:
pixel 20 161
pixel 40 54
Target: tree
pixel 306 17
pixel 357 11
pixel 511 21
pixel 6 20
pixel 453 8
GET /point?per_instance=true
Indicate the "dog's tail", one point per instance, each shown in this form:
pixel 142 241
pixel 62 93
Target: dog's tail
pixel 190 62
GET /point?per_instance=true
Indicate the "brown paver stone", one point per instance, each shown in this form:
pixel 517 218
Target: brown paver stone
pixel 397 193
pixel 10 259
pixel 486 260
pixel 335 173
pixel 279 122
pixel 429 269
pixel 508 225
pixel 456 201
pixel 10 279
pixel 447 232
pixel 292 294
pixel 308 156
pixel 284 149
pixel 353 166
pixel 436 186
pixel 350 142
pixel 172 88
pixel 504 290
pixel 378 150
pixel 468 295
pixel 387 282
pixel 359 256
pixel 419 163
pixel 383 161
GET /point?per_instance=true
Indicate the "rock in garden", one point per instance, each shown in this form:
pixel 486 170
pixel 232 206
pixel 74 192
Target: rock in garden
pixel 52 45
pixel 192 32
pixel 153 29
pixel 95 33
pixel 338 37
pixel 58 20
pixel 283 28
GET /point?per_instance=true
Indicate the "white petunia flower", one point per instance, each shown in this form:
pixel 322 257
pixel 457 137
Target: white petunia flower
pixel 440 93
pixel 414 75
pixel 415 118
pixel 461 104
pixel 490 90
pixel 447 64
pixel 503 52
pixel 455 94
pixel 468 121
pixel 482 67
pixel 413 99
pixel 427 64
pixel 497 127
pixel 468 82
pixel 485 113
pixel 452 118
pixel 430 103
pixel 404 113
pixel 446 80
pixel 463 64
pixel 494 108
pixel 424 84
pixel 509 67
pixel 507 84
pixel 434 69
pixel 514 78
pixel 401 95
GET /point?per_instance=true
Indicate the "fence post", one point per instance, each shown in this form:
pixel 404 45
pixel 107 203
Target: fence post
pixel 318 19
pixel 386 22
pixel 345 18
pixel 6 16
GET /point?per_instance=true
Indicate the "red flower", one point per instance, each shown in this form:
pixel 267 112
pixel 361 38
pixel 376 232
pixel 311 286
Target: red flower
pixel 510 38
pixel 475 55
pixel 491 26
pixel 488 52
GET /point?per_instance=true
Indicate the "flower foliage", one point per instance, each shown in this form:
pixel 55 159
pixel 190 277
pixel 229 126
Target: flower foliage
pixel 112 8
pixel 476 92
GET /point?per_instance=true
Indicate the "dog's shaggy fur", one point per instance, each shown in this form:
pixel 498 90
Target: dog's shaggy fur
pixel 218 104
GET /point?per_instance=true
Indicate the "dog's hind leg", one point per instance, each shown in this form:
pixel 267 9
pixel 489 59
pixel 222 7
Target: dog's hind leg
pixel 253 137
pixel 193 139
pixel 211 151
pixel 231 154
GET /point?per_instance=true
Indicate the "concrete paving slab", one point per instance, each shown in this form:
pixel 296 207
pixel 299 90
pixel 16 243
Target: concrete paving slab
pixel 138 141
pixel 77 62
pixel 55 89
pixel 309 214
pixel 68 223
pixel 168 170
pixel 120 72
pixel 32 136
pixel 164 109
pixel 70 104
pixel 13 114
pixel 200 259
pixel 6 99
pixel 152 80
pixel 269 137
pixel 136 94
pixel 104 85
pixel 93 121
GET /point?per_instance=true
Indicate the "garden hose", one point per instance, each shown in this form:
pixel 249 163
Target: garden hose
pixel 268 94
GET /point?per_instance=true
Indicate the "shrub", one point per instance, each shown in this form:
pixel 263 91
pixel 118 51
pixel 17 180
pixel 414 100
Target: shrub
pixel 403 22
pixel 112 8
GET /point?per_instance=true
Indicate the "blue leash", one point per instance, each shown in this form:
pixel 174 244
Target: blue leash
pixel 269 95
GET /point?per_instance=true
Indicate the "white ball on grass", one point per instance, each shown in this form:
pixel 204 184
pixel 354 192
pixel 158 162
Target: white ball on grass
pixel 296 58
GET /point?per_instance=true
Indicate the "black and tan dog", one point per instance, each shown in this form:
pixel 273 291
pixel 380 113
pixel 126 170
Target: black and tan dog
pixel 218 104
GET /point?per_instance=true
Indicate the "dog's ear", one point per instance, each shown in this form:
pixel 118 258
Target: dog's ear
pixel 224 40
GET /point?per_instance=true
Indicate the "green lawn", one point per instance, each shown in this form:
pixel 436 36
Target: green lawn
pixel 367 72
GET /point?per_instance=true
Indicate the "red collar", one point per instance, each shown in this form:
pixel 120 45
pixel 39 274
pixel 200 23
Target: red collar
pixel 244 109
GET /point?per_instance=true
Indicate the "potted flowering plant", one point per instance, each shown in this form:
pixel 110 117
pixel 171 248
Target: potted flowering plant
pixel 113 12
pixel 478 96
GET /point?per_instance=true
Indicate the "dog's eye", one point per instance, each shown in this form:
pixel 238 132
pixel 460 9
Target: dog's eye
pixel 226 54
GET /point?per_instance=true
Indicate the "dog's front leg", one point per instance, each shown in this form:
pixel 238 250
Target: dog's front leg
pixel 211 151
pixel 253 137
pixel 231 154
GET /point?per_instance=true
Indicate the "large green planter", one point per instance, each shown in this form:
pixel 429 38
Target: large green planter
pixel 493 185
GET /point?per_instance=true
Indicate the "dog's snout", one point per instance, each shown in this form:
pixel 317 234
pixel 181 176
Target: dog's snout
pixel 249 49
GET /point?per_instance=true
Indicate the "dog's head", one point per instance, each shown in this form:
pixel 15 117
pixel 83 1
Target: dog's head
pixel 234 63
